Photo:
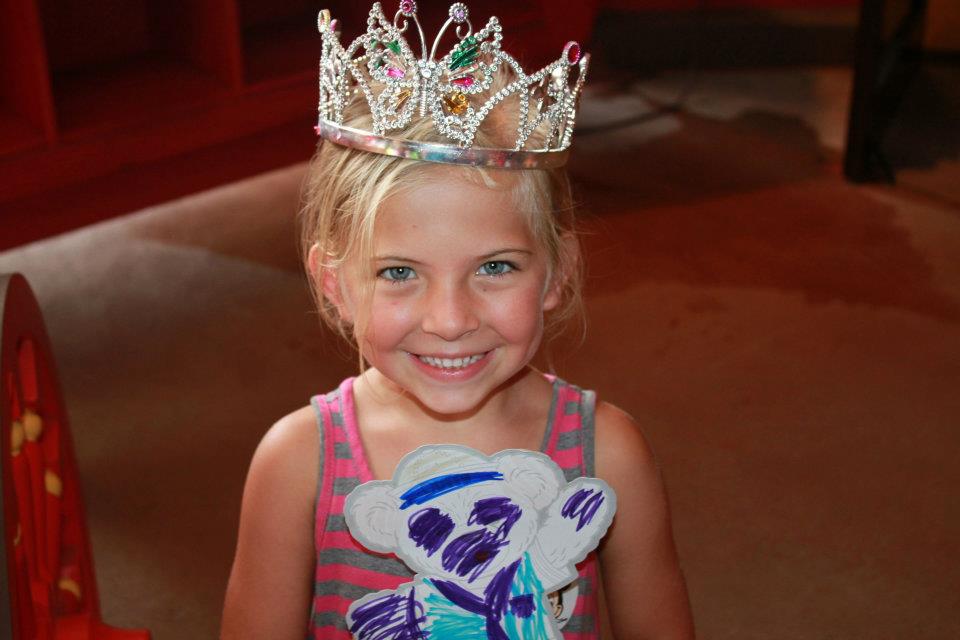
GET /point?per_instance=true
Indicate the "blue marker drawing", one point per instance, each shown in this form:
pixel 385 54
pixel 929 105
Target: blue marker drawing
pixel 583 503
pixel 440 485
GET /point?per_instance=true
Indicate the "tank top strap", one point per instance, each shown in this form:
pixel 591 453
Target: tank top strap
pixel 341 458
pixel 570 429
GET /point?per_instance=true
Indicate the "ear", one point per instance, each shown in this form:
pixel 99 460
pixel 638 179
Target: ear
pixel 327 280
pixel 372 515
pixel 532 475
pixel 568 264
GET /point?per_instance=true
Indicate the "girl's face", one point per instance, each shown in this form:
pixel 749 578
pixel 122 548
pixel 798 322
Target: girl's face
pixel 459 293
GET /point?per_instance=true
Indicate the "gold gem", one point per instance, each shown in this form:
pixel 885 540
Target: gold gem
pixel 402 97
pixel 17 436
pixel 70 586
pixel 32 425
pixel 52 483
pixel 456 103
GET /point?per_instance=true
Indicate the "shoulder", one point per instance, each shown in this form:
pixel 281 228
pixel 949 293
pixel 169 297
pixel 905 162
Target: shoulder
pixel 283 473
pixel 620 448
pixel 288 455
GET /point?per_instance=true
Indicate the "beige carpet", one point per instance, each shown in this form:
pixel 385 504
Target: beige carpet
pixel 790 343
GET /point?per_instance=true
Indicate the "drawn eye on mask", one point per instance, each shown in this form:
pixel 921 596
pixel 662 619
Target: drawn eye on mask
pixel 488 511
pixel 429 529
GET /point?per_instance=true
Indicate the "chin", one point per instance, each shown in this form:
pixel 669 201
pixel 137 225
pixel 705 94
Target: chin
pixel 445 402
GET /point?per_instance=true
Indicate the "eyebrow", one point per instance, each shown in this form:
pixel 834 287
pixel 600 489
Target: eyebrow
pixel 500 251
pixel 395 259
pixel 485 256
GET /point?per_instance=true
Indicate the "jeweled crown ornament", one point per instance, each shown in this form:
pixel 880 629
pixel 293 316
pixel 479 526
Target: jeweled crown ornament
pixel 454 91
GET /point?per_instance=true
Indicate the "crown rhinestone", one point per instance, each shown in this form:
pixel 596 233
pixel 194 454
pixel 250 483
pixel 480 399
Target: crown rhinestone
pixel 323 19
pixel 459 13
pixel 380 69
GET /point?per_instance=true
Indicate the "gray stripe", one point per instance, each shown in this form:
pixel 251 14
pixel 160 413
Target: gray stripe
pixel 363 560
pixel 568 440
pixel 343 486
pixel 571 473
pixel 579 623
pixel 588 401
pixel 570 408
pixel 341 451
pixel 585 585
pixel 340 588
pixel 315 402
pixel 329 619
pixel 336 522
pixel 553 409
pixel 337 418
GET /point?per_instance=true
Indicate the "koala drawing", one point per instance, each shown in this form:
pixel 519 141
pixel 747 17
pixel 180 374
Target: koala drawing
pixel 488 539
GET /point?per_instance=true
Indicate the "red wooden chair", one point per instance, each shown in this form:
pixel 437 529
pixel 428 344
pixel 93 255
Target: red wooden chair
pixel 48 590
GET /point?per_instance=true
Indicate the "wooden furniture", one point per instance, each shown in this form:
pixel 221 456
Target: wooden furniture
pixel 107 106
pixel 47 586
pixel 888 52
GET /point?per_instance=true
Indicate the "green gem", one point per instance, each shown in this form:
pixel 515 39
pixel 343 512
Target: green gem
pixel 394 46
pixel 465 54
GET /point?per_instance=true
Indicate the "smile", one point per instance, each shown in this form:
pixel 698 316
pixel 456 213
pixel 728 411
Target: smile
pixel 451 363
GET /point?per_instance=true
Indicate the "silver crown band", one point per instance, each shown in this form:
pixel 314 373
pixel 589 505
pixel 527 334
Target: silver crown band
pixel 455 92
pixel 445 153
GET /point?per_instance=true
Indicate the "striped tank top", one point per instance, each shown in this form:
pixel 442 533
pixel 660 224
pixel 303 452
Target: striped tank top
pixel 346 571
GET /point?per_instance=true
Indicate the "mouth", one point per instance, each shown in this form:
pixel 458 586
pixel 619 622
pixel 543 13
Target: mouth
pixel 451 364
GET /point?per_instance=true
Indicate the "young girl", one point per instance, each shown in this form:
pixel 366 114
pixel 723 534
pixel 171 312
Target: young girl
pixel 446 277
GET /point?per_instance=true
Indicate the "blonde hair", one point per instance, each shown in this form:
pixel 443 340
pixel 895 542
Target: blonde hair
pixel 345 188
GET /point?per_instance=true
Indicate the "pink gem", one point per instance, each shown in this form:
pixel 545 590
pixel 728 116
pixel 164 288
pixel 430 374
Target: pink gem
pixel 459 13
pixel 407 7
pixel 393 72
pixel 464 81
pixel 573 52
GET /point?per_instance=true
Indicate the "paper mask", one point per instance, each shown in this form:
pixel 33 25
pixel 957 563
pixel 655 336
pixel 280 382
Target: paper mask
pixel 489 537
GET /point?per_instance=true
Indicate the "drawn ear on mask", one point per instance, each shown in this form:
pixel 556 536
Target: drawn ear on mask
pixel 533 477
pixel 372 515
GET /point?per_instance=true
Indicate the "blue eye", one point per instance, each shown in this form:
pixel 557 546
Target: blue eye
pixel 495 268
pixel 396 274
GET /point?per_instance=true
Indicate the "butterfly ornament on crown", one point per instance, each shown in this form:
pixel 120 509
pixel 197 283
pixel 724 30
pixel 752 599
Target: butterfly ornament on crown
pixel 454 91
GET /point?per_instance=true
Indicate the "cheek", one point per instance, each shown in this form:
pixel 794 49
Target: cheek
pixel 520 312
pixel 390 320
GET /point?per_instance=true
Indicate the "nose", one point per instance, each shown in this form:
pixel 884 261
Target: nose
pixel 449 312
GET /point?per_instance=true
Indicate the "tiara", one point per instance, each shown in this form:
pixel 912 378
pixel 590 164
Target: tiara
pixel 453 91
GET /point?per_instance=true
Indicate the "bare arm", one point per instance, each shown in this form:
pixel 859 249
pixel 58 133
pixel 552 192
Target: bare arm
pixel 644 589
pixel 268 595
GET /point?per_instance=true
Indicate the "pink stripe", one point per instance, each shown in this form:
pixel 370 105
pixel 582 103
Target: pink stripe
pixel 338 604
pixel 342 540
pixel 567 458
pixel 330 633
pixel 336 504
pixel 359 576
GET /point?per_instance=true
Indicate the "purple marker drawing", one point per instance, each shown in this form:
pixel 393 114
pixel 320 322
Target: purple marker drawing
pixel 582 504
pixel 429 528
pixel 471 553
pixel 392 617
pixel 490 510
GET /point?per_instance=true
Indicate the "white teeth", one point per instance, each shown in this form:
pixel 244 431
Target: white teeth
pixel 450 363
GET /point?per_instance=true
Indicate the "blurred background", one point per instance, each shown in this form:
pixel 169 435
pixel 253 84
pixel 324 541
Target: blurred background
pixel 771 218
